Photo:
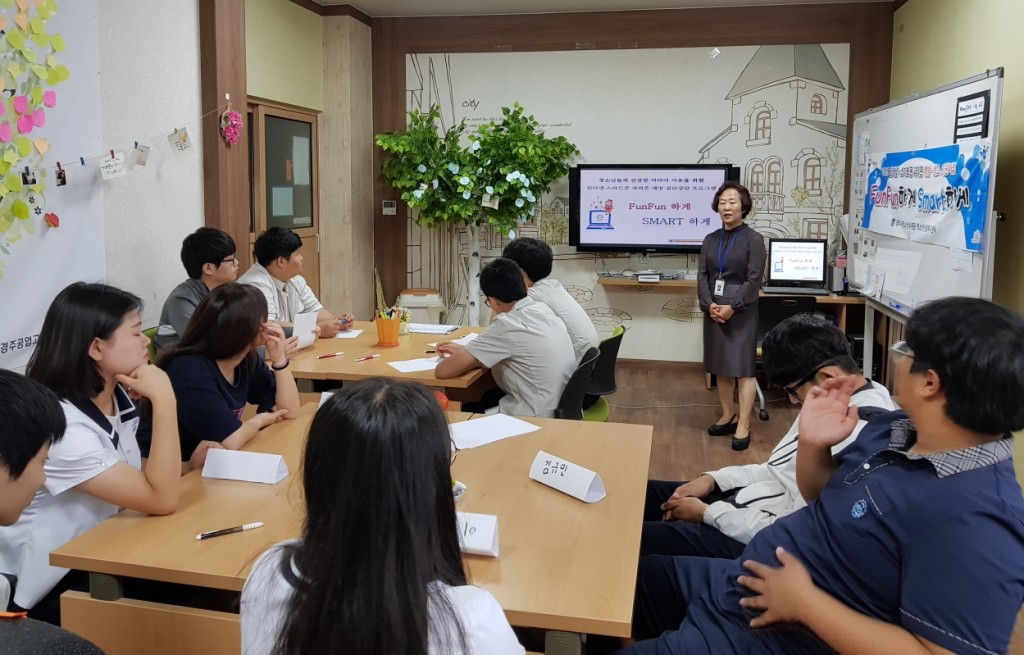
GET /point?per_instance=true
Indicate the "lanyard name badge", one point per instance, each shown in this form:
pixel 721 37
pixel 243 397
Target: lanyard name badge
pixel 720 282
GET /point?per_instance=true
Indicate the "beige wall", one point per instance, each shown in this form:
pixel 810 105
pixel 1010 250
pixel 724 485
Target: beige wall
pixel 925 55
pixel 284 53
pixel 346 168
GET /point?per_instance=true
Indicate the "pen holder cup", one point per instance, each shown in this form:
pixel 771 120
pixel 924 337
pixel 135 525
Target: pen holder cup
pixel 387 331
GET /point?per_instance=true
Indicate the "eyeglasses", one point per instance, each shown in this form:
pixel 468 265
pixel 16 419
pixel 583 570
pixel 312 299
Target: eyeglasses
pixel 229 260
pixel 487 301
pixel 900 349
pixel 455 451
pixel 792 389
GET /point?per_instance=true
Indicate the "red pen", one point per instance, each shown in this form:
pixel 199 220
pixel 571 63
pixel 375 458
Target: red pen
pixel 366 357
pixel 330 355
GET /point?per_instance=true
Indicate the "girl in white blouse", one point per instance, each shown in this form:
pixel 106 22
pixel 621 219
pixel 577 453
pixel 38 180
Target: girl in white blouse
pixel 378 569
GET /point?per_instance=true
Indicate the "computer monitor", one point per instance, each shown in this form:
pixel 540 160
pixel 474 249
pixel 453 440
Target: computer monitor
pixel 797 262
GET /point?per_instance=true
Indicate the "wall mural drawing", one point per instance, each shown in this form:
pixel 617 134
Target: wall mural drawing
pixel 778 112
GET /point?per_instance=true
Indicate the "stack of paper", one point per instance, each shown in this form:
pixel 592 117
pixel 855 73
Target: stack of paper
pixel 427 328
pixel 469 434
pixel 415 365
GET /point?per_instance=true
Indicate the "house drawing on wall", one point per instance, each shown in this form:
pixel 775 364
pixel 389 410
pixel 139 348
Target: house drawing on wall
pixel 785 135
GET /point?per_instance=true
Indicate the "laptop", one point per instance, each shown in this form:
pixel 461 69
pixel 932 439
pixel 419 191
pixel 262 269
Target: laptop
pixel 797 266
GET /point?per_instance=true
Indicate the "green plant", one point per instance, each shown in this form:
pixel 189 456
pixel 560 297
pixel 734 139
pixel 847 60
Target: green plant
pixel 495 175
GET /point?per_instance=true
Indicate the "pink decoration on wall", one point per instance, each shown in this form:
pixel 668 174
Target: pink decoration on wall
pixel 5 132
pixel 25 124
pixel 21 104
pixel 39 118
pixel 50 98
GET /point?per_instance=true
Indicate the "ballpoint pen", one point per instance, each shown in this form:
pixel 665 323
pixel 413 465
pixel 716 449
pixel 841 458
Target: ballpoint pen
pixel 366 357
pixel 239 528
pixel 329 355
pixel 430 352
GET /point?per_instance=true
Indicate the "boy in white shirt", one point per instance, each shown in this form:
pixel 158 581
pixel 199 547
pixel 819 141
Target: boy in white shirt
pixel 526 346
pixel 535 259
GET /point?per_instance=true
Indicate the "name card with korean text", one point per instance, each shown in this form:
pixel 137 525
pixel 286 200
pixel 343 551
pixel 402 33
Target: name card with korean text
pixel 567 477
pixel 478 533
pixel 245 467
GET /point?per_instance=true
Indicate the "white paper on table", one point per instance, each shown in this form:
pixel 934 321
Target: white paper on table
pixel 323 398
pixel 462 341
pixel 429 328
pixel 415 365
pixel 478 533
pixel 470 434
pixel 303 327
pixel 348 334
pixel 246 467
pixel 567 477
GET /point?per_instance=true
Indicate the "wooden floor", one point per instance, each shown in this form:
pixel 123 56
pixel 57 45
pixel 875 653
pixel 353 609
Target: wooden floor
pixel 672 398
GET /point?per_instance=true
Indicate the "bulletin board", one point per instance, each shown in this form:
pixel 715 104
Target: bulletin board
pixel 922 183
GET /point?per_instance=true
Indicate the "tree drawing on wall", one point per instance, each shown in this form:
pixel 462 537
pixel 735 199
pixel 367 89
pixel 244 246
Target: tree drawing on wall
pixel 30 55
pixel 831 195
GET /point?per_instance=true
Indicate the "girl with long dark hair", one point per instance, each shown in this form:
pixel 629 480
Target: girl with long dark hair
pixel 92 354
pixel 378 569
pixel 216 371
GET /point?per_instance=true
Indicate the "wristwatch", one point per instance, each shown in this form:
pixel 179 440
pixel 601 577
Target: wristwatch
pixel 282 367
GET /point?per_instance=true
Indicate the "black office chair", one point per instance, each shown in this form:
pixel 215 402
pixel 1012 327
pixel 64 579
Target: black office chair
pixel 30 637
pixel 570 405
pixel 772 310
pixel 603 381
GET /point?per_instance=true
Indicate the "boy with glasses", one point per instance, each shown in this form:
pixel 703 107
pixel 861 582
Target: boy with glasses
pixel 913 541
pixel 718 513
pixel 209 258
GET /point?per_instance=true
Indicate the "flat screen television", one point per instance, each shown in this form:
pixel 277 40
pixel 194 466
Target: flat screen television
pixel 646 208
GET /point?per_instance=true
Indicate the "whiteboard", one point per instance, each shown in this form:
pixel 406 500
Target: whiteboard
pixel 926 271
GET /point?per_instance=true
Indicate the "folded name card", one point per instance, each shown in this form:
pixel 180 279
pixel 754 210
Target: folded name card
pixel 567 477
pixel 246 467
pixel 303 327
pixel 323 398
pixel 478 533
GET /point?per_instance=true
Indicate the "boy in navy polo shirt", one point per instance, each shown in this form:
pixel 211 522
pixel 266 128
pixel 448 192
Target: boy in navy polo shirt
pixel 914 538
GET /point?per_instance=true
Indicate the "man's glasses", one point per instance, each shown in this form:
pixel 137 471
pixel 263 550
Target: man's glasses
pixel 455 451
pixel 792 389
pixel 900 349
pixel 229 260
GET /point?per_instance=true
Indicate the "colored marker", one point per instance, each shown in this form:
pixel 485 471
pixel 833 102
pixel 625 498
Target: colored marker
pixel 329 355
pixel 239 528
pixel 366 357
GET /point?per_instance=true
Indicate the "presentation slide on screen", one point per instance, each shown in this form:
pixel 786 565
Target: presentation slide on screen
pixel 797 261
pixel 657 207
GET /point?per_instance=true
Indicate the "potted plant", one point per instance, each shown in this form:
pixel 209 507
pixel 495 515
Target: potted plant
pixel 494 175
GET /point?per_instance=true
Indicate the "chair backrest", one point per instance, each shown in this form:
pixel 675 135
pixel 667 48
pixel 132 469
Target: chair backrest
pixel 151 333
pixel 772 310
pixel 570 405
pixel 603 381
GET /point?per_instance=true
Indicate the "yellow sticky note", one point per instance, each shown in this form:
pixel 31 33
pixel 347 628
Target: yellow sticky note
pixel 41 40
pixel 42 145
pixel 37 25
pixel 11 157
pixel 14 69
pixel 24 146
pixel 29 54
pixel 62 72
pixel 41 73
pixel 13 181
pixel 3 191
pixel 20 209
pixel 57 41
pixel 16 39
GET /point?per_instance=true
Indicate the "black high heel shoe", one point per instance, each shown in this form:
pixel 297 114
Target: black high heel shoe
pixel 741 443
pixel 722 429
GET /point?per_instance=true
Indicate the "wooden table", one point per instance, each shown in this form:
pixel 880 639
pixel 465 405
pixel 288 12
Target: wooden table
pixel 306 366
pixel 564 564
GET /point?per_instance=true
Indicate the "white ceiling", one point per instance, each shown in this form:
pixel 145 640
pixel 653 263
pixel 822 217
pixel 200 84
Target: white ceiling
pixel 383 8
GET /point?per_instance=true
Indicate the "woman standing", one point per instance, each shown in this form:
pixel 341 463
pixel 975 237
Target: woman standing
pixel 732 264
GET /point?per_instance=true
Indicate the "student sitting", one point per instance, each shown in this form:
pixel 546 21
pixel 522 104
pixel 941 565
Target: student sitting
pixel 28 428
pixel 526 347
pixel 535 259
pixel 277 274
pixel 215 370
pixel 92 354
pixel 915 543
pixel 209 259
pixel 718 514
pixel 378 569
